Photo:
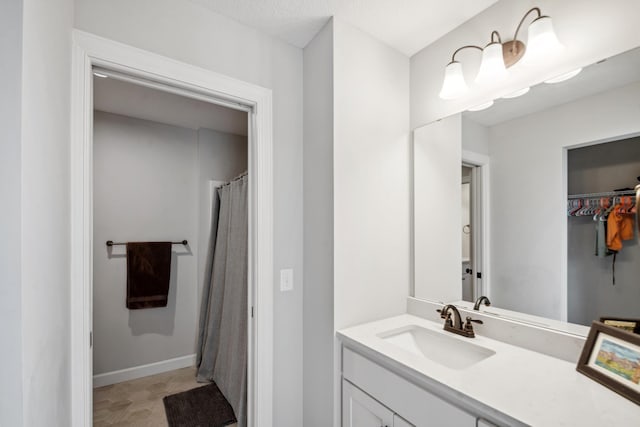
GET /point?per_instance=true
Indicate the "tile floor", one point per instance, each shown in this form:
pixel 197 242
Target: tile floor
pixel 139 402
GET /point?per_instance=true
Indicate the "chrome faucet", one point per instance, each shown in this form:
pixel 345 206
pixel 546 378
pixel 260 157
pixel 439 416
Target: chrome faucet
pixel 476 306
pixel 456 326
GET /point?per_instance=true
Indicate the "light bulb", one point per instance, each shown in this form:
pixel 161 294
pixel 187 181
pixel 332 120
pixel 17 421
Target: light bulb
pixel 454 85
pixel 492 66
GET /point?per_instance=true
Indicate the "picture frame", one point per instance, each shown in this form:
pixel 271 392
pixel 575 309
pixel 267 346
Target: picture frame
pixel 631 325
pixel 611 356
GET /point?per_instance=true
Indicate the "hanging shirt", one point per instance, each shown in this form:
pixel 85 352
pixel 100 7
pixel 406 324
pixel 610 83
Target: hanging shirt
pixel 601 238
pixel 619 228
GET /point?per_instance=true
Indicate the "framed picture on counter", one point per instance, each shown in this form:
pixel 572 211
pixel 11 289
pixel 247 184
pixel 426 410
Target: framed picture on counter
pixel 631 325
pixel 611 356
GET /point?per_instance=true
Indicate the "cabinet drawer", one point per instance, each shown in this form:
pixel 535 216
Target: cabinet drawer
pixel 409 401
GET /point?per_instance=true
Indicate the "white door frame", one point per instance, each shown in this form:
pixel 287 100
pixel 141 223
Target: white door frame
pixel 89 51
pixel 482 241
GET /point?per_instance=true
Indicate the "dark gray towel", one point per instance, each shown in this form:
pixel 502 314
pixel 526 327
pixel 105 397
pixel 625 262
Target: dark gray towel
pixel 148 274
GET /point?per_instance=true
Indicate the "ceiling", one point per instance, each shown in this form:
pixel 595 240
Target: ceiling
pixel 617 71
pixel 406 25
pixel 118 97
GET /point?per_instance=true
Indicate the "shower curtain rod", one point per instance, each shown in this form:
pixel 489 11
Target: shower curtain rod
pixel 239 177
pixel 111 243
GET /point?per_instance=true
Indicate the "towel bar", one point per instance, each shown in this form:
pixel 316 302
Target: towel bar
pixel 111 243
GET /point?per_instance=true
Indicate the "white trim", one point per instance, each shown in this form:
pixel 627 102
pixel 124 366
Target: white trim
pixel 90 50
pixel 484 164
pixel 136 372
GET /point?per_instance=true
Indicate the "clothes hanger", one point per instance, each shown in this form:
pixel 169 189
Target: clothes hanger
pixel 602 205
pixel 610 208
pixel 577 205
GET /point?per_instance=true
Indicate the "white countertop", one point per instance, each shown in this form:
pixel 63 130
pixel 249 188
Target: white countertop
pixel 531 387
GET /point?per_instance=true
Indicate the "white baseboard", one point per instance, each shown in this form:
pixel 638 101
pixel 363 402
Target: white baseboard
pixel 114 377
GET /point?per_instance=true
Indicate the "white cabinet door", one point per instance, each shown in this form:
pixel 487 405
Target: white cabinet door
pixel 361 410
pixel 398 421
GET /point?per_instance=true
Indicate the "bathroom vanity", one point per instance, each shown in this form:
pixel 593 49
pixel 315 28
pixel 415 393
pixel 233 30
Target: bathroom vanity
pixel 407 371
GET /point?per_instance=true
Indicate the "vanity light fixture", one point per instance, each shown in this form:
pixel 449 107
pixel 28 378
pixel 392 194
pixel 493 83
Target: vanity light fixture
pixel 563 77
pixel 497 56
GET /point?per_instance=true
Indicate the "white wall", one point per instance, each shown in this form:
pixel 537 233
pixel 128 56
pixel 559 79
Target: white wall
pixel 589 29
pixel 356 199
pixel 527 170
pixel 149 180
pixel 475 137
pixel 46 58
pixel 193 34
pixel 371 178
pixel 371 182
pixel 10 243
pixel 318 229
pixel 437 213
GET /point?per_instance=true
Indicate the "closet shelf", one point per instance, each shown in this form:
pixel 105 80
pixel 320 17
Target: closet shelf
pixel 604 194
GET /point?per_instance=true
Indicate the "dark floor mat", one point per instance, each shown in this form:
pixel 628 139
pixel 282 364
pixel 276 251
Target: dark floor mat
pixel 200 407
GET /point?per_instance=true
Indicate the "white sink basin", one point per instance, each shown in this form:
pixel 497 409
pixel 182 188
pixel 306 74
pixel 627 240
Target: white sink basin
pixel 438 346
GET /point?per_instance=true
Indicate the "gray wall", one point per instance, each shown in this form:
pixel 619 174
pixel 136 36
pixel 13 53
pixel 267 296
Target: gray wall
pixel 147 186
pixel 191 33
pixel 10 295
pixel 599 168
pixel 318 229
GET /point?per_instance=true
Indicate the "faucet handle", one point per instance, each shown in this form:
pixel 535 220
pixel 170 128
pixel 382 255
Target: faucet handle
pixel 468 327
pixel 469 320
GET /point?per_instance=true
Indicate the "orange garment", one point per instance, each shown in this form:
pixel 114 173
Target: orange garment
pixel 619 228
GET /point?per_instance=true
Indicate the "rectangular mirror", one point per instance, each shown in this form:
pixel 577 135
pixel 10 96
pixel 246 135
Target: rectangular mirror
pixel 521 195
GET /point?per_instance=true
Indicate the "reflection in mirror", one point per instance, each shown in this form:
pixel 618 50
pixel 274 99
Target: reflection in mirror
pixel 576 141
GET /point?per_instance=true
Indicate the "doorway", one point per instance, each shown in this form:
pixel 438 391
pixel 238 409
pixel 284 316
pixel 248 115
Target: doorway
pixel 467 225
pixel 474 227
pixel 155 158
pixel 151 70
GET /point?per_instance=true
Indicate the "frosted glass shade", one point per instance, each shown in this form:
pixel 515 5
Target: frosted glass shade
pixel 492 66
pixel 542 41
pixel 454 85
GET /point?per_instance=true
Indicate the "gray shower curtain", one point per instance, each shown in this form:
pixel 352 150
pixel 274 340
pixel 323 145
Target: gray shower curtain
pixel 222 340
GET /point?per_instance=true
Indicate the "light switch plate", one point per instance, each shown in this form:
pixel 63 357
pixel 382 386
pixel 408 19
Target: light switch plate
pixel 286 280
